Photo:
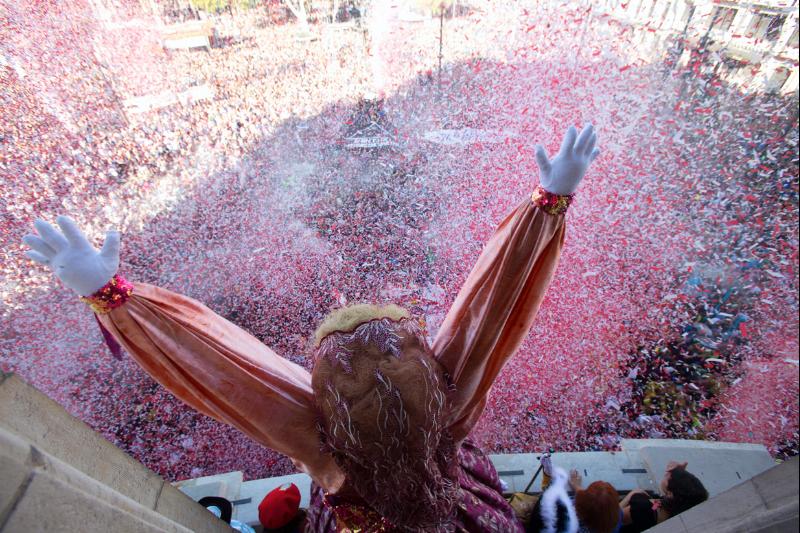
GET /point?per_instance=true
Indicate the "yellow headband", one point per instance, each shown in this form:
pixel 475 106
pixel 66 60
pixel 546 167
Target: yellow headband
pixel 349 318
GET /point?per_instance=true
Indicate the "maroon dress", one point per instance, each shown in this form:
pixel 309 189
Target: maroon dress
pixel 480 506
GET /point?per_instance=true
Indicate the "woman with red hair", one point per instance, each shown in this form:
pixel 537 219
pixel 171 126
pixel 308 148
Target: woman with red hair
pixel 597 506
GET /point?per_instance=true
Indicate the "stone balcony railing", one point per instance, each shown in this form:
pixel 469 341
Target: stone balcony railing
pixel 56 474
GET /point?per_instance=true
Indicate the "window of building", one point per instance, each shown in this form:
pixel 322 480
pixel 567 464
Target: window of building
pixel 687 15
pixel 637 9
pixel 652 10
pixel 775 27
pixel 767 27
pixel 665 11
pixel 661 13
pixel 723 18
pixel 794 41
pixel 777 80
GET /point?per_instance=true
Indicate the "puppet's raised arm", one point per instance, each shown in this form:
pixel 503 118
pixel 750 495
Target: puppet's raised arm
pixel 209 363
pixel 496 306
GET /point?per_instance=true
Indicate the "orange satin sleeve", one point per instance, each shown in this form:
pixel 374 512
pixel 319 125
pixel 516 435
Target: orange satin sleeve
pixel 495 308
pixel 224 372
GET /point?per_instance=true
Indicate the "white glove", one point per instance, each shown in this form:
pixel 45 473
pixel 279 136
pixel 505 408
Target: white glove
pixel 70 256
pixel 564 173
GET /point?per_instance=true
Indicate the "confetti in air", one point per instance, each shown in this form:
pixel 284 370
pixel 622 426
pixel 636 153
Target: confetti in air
pixel 292 168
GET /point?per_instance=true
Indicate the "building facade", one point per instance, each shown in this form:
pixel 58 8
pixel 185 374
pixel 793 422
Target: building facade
pixel 755 44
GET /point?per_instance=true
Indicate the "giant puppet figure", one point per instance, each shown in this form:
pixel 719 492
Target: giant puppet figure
pixel 381 423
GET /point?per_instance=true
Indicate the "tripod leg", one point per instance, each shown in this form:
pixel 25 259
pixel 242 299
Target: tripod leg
pixel 535 475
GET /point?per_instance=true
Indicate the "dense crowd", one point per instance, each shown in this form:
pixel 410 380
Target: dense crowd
pixel 673 309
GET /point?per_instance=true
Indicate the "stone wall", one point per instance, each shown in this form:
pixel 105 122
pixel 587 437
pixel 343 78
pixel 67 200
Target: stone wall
pixel 766 503
pixel 59 475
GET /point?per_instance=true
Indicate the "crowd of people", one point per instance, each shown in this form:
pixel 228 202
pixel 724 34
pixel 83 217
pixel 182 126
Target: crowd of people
pixel 562 505
pixel 565 505
pixel 682 249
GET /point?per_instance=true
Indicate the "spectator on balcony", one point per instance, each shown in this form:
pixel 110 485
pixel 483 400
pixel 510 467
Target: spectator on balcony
pixel 279 511
pixel 597 506
pixel 554 512
pixel 680 491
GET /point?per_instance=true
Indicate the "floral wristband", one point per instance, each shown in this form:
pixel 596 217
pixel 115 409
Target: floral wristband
pixel 553 204
pixel 110 296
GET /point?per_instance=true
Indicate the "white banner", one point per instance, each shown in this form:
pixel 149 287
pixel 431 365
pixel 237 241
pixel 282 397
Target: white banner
pixel 189 41
pixel 467 136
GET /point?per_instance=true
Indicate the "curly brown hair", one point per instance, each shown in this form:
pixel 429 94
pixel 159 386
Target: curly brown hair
pixel 383 401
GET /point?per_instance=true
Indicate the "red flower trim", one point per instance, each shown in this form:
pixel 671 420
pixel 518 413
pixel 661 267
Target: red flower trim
pixel 554 204
pixel 110 296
